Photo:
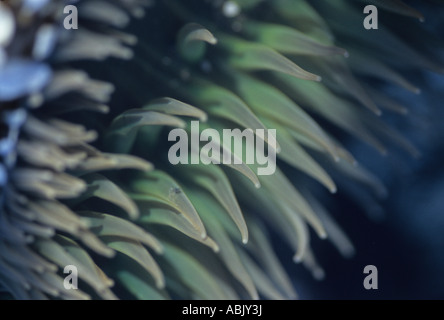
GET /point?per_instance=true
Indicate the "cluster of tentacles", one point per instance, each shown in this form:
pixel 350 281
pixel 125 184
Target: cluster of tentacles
pixel 85 180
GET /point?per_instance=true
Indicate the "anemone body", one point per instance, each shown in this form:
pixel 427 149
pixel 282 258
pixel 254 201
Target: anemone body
pixel 86 113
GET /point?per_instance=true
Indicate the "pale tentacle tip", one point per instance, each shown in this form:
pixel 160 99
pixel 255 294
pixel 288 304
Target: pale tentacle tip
pixel 160 284
pixel 319 274
pixel 323 234
pixel 203 117
pixel 298 257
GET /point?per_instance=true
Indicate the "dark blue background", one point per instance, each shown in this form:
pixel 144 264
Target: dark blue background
pixel 406 243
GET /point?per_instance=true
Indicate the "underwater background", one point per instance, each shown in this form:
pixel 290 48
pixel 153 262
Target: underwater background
pixel 404 240
pixel 406 248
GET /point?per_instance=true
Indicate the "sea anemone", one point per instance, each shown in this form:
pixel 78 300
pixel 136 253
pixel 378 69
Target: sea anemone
pixel 85 115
